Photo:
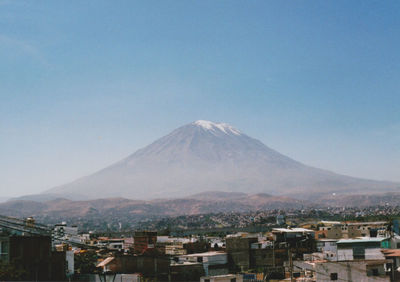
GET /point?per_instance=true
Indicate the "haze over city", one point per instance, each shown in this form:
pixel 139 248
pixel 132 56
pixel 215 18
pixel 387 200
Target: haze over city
pixel 83 86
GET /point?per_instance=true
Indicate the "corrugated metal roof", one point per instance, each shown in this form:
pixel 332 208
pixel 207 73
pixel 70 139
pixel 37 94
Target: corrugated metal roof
pixel 391 252
pixel 105 262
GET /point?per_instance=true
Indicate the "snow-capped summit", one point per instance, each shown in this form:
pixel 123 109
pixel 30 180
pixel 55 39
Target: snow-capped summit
pixel 224 127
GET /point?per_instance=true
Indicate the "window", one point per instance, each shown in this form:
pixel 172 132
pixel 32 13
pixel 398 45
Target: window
pixel 3 247
pixel 199 259
pixel 334 276
pixel 233 279
pixel 375 272
pixel 206 280
pixel 3 250
pixel 358 253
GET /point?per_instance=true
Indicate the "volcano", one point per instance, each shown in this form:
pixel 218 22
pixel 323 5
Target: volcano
pixel 207 156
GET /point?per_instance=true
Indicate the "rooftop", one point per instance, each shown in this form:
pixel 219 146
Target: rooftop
pixel 291 230
pixel 206 254
pixel 391 252
pixel 327 240
pixel 105 262
pixel 185 263
pixel 368 223
pixel 362 240
pixel 222 276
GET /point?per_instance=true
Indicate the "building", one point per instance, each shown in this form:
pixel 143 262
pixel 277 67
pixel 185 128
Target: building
pixel 147 266
pixel 298 240
pixel 186 271
pixel 348 230
pixel 280 219
pixel 115 244
pixel 62 232
pixel 144 240
pixel 359 270
pixel 238 249
pixel 394 266
pixel 333 231
pixel 214 263
pixel 292 236
pixel 174 250
pixel 364 248
pixel 328 248
pixel 33 256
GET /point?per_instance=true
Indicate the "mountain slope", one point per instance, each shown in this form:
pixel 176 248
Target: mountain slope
pixel 205 156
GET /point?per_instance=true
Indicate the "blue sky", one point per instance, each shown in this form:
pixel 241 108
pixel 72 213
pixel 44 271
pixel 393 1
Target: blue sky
pixel 85 83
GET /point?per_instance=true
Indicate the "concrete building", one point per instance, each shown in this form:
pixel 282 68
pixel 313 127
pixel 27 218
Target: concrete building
pixel 280 219
pixel 328 248
pixel 348 230
pixel 394 266
pixel 362 248
pixel 143 240
pixel 33 255
pixel 214 263
pixel 238 248
pixel 292 235
pixel 186 271
pixel 62 232
pixel 115 244
pixel 333 231
pixel 174 250
pixel 148 266
pixel 360 270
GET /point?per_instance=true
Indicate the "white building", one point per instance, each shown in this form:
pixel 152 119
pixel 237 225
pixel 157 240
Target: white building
pixel 223 278
pixel 214 263
pixel 360 270
pixel 328 248
pixel 69 257
pixel 364 248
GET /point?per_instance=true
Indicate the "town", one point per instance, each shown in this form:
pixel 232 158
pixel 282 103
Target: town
pixel 286 246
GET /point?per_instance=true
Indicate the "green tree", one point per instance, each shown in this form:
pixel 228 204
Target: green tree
pixel 85 263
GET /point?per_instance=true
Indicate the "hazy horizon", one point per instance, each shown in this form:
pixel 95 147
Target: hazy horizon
pixel 84 85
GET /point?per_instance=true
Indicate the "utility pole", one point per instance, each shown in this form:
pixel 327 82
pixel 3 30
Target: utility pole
pixel 273 254
pixel 290 264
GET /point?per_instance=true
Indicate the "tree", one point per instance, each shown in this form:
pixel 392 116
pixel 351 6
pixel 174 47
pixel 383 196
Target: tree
pixel 85 263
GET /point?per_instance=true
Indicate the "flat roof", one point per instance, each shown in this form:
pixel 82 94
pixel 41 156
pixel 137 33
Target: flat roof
pixel 361 240
pixel 330 222
pixel 206 254
pixel 367 223
pixel 186 263
pixel 221 276
pixel 292 230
